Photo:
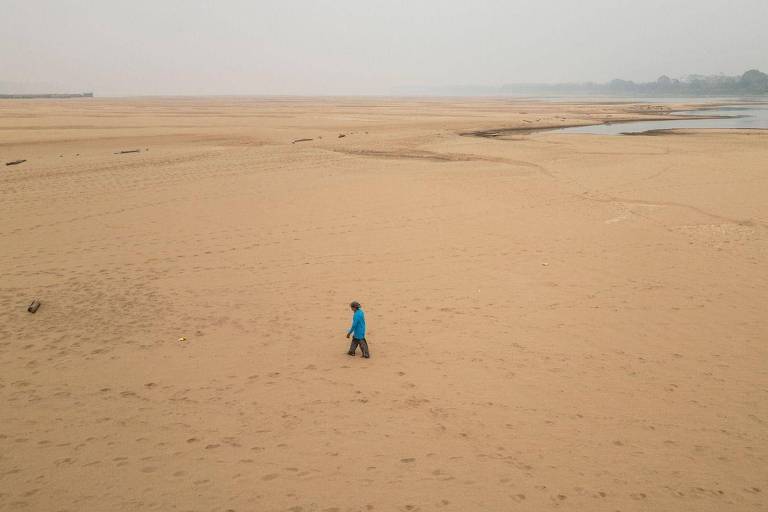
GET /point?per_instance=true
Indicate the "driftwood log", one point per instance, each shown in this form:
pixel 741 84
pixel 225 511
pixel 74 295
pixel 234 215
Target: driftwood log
pixel 301 140
pixel 15 162
pixel 34 305
pixel 128 151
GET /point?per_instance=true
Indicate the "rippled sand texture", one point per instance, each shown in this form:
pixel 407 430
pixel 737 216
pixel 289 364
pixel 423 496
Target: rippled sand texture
pixel 555 321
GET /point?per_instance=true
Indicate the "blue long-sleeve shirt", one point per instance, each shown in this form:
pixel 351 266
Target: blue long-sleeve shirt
pixel 358 325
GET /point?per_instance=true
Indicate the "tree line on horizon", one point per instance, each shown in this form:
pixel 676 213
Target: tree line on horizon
pixel 750 82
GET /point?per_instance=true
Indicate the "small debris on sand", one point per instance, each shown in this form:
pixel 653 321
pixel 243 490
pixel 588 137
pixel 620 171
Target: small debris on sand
pixel 15 162
pixel 342 135
pixel 301 140
pixel 128 151
pixel 33 306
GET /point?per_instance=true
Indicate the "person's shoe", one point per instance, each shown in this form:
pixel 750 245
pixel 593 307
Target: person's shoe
pixel 350 353
pixel 367 357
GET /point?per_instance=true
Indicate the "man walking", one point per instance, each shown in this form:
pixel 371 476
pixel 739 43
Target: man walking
pixel 357 331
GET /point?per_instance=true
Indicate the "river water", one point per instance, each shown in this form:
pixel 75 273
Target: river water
pixel 737 116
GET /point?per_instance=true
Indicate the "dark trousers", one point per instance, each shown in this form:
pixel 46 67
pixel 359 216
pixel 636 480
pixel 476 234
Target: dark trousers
pixel 363 347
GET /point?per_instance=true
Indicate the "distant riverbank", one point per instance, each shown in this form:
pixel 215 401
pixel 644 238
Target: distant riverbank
pixel 44 96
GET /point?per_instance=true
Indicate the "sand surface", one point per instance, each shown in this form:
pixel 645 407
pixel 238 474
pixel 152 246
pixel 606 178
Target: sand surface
pixel 568 322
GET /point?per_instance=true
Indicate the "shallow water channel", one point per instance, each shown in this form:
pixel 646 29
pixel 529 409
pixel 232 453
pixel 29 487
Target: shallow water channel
pixel 742 116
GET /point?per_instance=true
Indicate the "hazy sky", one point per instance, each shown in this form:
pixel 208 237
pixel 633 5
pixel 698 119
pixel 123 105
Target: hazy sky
pixel 369 46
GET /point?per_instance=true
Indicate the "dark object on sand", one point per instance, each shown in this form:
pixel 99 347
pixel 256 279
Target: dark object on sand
pixel 128 151
pixel 301 140
pixel 32 308
pixel 342 135
pixel 15 162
